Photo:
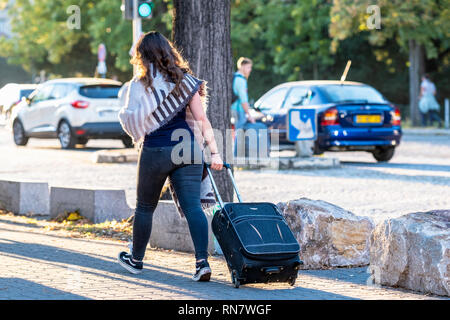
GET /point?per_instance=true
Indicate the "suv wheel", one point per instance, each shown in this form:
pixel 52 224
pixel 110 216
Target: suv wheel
pixel 82 141
pixel 19 134
pixel 65 136
pixel 383 153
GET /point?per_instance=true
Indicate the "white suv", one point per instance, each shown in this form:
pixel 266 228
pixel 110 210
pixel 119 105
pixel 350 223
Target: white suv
pixel 72 110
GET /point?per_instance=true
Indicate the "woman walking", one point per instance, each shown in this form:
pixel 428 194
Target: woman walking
pixel 165 115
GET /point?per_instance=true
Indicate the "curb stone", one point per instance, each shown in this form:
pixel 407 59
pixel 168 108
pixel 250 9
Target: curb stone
pixel 286 163
pixel 25 197
pixel 115 156
pixel 97 205
pixel 123 156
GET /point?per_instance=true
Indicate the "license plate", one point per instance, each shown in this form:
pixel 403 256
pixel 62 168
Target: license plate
pixel 368 118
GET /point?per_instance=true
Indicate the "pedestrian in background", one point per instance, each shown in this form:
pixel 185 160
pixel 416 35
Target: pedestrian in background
pixel 240 108
pixel 428 105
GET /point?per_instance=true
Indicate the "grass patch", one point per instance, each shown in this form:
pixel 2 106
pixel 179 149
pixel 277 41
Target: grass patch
pixel 75 225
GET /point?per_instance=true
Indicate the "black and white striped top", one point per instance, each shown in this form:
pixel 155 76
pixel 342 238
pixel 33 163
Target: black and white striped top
pixel 146 110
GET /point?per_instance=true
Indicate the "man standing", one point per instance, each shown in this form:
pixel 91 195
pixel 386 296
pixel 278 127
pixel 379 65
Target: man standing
pixel 240 109
pixel 428 105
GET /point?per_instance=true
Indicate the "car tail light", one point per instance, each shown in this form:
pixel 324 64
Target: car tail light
pixel 330 117
pixel 80 104
pixel 396 118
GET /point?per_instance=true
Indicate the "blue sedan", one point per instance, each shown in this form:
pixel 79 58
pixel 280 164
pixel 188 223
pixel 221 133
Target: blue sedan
pixel 351 116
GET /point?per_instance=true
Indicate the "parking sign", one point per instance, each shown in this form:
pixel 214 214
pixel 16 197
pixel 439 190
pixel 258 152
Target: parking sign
pixel 301 124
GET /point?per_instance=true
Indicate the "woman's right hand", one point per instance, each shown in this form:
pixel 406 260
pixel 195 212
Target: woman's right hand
pixel 216 162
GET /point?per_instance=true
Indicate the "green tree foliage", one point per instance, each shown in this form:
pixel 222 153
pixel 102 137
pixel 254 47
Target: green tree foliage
pixel 301 40
pixel 247 40
pixel 419 29
pixel 12 73
pixel 288 40
pixel 43 41
pixel 426 21
pixel 297 36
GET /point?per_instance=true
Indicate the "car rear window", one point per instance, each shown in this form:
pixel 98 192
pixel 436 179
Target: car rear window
pixel 100 91
pixel 346 93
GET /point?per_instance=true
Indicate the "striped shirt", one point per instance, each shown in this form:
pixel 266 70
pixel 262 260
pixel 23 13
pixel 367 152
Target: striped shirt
pixel 146 110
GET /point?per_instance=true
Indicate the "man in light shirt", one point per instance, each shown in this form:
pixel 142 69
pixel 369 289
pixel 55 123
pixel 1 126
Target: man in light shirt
pixel 240 109
pixel 428 105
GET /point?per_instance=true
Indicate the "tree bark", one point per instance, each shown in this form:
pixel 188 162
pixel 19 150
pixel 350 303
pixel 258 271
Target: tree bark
pixel 315 71
pixel 416 69
pixel 201 31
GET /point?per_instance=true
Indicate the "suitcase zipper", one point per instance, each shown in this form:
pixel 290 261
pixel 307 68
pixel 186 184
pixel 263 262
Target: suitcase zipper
pixel 256 217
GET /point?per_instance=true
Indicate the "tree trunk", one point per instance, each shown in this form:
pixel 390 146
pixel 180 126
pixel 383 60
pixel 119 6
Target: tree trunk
pixel 416 66
pixel 201 30
pixel 315 70
pixel 422 70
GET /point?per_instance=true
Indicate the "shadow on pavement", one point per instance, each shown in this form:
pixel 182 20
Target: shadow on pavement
pixel 368 171
pixel 437 140
pixel 351 275
pixel 170 280
pixel 22 224
pixel 20 289
pixel 52 256
pixel 408 166
pixel 82 149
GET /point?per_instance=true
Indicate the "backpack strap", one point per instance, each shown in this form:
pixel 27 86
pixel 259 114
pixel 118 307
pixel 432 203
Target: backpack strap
pixel 235 97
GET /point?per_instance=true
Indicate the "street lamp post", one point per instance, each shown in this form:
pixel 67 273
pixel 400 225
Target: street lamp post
pixel 137 28
pixel 136 10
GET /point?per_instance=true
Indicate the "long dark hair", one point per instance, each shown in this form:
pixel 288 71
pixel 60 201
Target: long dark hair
pixel 154 48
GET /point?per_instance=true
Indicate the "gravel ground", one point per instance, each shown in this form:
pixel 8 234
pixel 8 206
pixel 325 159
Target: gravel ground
pixel 416 179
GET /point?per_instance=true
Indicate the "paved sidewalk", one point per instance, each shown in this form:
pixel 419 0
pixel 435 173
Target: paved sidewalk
pixel 49 265
pixel 427 131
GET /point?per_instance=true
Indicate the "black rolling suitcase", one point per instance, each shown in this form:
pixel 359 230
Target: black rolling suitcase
pixel 255 240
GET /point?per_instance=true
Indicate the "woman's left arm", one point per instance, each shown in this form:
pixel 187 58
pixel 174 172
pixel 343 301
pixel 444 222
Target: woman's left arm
pixel 200 117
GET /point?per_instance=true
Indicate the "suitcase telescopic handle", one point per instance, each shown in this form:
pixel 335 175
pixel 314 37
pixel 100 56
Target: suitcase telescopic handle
pixel 216 190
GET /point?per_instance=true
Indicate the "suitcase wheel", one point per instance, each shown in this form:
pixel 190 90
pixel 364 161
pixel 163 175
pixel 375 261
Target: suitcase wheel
pixel 235 279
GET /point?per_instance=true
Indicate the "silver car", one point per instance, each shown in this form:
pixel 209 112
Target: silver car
pixel 73 110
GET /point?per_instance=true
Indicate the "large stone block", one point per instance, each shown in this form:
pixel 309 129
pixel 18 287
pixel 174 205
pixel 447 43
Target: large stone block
pixel 413 252
pixel 115 156
pixel 329 236
pixel 97 205
pixel 24 197
pixel 170 231
pixel 314 163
